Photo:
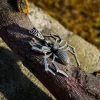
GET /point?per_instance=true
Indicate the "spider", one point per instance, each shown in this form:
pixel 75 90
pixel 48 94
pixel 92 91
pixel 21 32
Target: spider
pixel 49 49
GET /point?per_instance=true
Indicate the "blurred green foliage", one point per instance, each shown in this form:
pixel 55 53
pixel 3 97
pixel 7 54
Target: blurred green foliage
pixel 80 16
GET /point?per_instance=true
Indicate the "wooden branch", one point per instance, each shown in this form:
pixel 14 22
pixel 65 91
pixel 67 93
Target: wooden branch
pixel 79 85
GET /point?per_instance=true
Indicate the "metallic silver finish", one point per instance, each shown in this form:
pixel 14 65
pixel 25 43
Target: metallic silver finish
pixel 74 53
pixel 53 49
pixel 62 56
pixel 47 69
pixel 57 69
pixel 36 33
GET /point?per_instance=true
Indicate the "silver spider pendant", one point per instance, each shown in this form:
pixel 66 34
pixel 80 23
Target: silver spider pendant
pixel 54 50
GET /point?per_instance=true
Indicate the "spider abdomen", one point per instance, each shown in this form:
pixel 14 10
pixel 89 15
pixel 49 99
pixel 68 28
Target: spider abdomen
pixel 62 56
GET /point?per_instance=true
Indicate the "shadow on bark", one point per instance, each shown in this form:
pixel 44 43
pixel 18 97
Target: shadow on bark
pixel 14 85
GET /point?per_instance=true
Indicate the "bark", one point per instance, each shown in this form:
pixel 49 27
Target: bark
pixel 79 85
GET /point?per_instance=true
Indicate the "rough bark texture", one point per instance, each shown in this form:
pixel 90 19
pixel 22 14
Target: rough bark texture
pixel 14 29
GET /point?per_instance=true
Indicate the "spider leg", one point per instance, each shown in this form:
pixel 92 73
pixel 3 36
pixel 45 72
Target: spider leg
pixel 63 46
pixel 74 53
pixel 50 35
pixel 55 37
pixel 57 69
pixel 61 42
pixel 33 39
pixel 43 50
pixel 47 69
pixel 35 48
pixel 35 42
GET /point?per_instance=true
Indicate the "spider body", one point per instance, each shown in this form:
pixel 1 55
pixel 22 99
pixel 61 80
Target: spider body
pixel 61 55
pixel 54 50
pixel 51 48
